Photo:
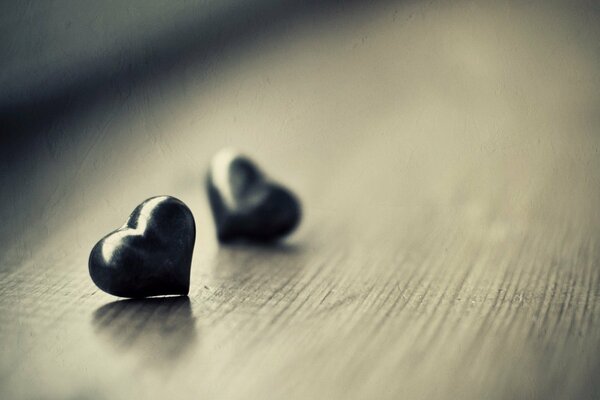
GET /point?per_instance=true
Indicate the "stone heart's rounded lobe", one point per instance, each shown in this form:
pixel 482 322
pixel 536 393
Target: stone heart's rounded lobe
pixel 151 255
pixel 245 203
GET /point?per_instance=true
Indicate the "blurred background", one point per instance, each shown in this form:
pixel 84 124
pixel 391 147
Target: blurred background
pixel 454 143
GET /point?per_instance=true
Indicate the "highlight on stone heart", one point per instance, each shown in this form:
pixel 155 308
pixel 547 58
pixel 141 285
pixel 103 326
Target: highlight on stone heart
pixel 246 204
pixel 150 255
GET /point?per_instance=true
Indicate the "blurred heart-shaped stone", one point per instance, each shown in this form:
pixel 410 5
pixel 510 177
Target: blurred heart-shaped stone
pixel 150 255
pixel 245 203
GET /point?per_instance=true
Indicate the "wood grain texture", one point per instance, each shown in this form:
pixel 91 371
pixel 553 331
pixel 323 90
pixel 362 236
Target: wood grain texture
pixel 447 157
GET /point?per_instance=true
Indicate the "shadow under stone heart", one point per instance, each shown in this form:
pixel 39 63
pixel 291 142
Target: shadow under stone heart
pixel 158 330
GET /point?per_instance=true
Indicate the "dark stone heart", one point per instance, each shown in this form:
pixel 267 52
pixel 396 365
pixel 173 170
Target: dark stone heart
pixel 245 204
pixel 150 255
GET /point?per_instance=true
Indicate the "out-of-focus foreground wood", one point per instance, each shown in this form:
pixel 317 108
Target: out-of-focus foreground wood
pixel 447 156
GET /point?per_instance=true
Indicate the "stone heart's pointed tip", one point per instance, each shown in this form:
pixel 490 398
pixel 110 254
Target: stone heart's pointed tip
pixel 182 290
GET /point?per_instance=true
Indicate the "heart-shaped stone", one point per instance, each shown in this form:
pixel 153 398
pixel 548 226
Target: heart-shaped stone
pixel 150 255
pixel 245 203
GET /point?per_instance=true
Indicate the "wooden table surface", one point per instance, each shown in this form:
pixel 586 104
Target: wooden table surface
pixel 447 156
